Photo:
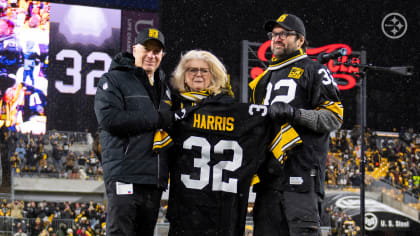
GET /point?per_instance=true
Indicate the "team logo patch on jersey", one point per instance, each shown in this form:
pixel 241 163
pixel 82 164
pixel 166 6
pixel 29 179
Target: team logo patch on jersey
pixel 105 86
pixel 296 73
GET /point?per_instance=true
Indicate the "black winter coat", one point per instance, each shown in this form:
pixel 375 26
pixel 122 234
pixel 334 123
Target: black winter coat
pixel 126 107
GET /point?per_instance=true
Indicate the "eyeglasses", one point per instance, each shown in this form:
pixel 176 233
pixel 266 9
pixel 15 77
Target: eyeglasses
pixel 195 70
pixel 281 35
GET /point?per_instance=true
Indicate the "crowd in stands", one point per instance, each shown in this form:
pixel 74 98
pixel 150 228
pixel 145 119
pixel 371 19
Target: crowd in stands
pixel 392 157
pixel 51 155
pixel 341 223
pixel 50 218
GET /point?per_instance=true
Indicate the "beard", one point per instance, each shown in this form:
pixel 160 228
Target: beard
pixel 283 51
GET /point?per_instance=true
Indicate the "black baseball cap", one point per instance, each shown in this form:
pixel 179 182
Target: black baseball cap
pixel 150 34
pixel 287 21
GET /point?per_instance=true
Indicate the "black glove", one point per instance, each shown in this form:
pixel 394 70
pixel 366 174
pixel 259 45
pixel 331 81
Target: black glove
pixel 282 111
pixel 166 119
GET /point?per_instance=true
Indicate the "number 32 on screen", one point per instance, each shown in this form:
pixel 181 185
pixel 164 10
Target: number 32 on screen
pixel 75 71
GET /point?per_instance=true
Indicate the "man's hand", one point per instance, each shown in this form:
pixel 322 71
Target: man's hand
pixel 282 111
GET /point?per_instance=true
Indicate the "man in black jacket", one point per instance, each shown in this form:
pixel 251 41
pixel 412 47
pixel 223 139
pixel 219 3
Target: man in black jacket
pixel 300 92
pixel 130 104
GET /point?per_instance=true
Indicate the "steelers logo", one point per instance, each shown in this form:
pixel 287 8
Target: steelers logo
pixel 394 25
pixel 371 221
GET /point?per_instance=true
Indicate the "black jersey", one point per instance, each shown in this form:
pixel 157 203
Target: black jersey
pixel 305 84
pixel 217 151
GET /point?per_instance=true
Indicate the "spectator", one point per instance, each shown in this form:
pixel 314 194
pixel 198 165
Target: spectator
pixel 342 178
pixel 81 160
pixel 68 213
pixel 30 210
pixel 332 176
pixel 15 163
pixel 17 210
pixel 37 227
pixel 89 138
pixel 355 178
pixel 90 172
pixel 57 213
pixel 92 161
pixel 11 140
pixel 96 147
pixel 82 173
pixel 31 155
pixel 57 155
pixel 82 232
pixel 21 152
pixel 20 233
pixel 43 164
pixel 70 159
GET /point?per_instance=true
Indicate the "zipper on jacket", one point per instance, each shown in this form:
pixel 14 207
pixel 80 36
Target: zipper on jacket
pixel 126 149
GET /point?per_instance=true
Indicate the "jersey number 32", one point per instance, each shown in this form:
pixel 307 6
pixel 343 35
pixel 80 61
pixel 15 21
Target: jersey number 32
pixel 202 163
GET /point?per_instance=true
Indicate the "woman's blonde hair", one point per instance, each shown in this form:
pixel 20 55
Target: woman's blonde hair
pixel 219 80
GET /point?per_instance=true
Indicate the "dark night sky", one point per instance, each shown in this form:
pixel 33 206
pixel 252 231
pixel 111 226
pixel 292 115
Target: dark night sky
pixel 220 26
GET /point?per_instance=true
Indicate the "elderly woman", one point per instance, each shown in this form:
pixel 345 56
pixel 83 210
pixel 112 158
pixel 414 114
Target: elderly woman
pixel 217 151
pixel 198 75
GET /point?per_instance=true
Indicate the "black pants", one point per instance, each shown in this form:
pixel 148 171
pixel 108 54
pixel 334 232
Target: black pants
pixel 134 214
pixel 286 213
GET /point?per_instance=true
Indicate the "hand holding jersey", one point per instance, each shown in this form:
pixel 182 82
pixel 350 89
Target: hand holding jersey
pixel 127 104
pixel 216 150
pixel 167 118
pixel 303 93
pixel 283 112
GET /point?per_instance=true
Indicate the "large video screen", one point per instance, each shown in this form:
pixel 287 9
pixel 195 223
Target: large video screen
pixel 83 42
pixel 24 40
pixel 51 58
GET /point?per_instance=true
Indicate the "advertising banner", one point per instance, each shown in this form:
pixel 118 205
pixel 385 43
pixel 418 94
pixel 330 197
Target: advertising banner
pixel 133 22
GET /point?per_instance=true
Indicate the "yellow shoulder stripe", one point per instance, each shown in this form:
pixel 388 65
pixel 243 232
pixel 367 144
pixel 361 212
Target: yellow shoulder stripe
pixel 253 84
pixel 335 107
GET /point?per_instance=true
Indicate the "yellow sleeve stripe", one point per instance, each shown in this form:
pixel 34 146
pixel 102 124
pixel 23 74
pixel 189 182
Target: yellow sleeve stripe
pixel 286 139
pixel 336 107
pixel 161 140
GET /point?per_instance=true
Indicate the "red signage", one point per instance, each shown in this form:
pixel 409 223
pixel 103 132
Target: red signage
pixel 346 74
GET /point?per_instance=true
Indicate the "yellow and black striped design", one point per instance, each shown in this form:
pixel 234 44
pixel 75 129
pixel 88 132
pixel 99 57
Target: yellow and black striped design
pixel 286 139
pixel 161 141
pixel 335 107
